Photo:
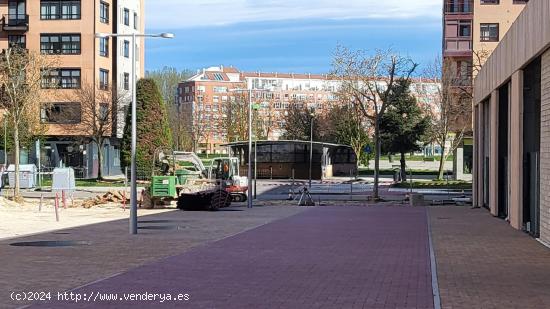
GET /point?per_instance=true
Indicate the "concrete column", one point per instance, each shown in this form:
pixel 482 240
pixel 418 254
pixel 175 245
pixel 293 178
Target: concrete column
pixel 515 151
pixel 493 153
pixel 479 154
pixel 475 167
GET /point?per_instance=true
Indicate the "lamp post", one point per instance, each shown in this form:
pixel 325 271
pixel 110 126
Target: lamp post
pixel 249 192
pixel 311 147
pixel 133 168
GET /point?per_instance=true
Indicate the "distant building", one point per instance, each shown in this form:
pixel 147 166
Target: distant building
pixel 204 98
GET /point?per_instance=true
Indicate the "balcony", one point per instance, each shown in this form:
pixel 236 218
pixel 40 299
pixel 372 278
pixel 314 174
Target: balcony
pixel 15 22
pixel 458 47
pixel 459 7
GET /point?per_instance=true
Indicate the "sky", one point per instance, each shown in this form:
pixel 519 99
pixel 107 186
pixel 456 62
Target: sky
pixel 293 36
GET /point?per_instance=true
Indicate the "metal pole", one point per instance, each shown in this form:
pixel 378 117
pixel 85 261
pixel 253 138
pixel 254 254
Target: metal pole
pixel 250 148
pixel 38 163
pixel 310 151
pixel 133 184
pixel 255 167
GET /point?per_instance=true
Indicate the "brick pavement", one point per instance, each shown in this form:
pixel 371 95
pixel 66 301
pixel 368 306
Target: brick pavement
pixel 482 262
pixel 113 250
pixel 327 257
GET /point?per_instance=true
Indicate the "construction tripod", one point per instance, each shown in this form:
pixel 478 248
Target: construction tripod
pixel 305 198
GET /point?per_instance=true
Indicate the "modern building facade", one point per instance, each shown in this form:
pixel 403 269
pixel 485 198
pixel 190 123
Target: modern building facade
pixel 512 125
pixel 291 159
pixel 204 98
pixel 472 29
pixel 66 30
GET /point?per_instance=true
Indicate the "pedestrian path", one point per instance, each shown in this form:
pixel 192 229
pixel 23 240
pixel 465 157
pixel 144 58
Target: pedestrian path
pixel 326 257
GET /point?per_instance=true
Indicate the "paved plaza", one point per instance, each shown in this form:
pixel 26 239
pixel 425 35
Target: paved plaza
pixel 288 257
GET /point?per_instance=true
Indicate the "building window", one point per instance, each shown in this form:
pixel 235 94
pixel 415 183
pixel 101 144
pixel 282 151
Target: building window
pixel 61 113
pixel 19 41
pixel 126 17
pixel 59 9
pixel 60 44
pixel 490 1
pixel 104 47
pixel 103 79
pixel 126 49
pixel 61 78
pixel 464 29
pixel 104 113
pixel 489 33
pixel 104 12
pixel 136 22
pixel 126 81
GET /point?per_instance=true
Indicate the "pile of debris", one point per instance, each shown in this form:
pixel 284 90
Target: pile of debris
pixel 117 197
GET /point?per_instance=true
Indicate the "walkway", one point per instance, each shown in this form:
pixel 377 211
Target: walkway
pixel 326 257
pixel 482 262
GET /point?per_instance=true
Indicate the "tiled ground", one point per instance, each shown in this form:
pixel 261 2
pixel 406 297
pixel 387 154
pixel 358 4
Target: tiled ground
pixel 327 257
pixel 113 250
pixel 483 263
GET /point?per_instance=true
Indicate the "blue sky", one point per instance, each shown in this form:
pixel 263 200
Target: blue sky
pixel 287 36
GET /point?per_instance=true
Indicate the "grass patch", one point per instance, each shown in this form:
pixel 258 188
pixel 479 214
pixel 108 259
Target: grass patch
pixel 396 158
pixel 369 172
pixel 88 183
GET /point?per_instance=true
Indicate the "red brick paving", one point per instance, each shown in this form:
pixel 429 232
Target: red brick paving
pixel 328 257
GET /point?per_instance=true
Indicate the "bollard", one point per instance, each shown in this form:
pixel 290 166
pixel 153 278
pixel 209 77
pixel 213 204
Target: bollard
pixel 41 201
pixel 64 199
pixel 56 207
pixel 351 185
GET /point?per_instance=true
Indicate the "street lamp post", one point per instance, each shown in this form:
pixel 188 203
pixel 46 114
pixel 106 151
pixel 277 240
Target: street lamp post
pixel 133 168
pixel 311 148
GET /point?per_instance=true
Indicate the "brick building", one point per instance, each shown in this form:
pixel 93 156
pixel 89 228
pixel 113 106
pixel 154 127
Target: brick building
pixel 66 30
pixel 512 125
pixel 204 100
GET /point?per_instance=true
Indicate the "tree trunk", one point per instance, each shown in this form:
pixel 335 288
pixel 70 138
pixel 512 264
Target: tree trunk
pixel 403 168
pixel 17 189
pixel 442 161
pixel 376 157
pixel 100 160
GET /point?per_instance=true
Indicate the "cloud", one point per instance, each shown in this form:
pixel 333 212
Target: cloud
pixel 180 14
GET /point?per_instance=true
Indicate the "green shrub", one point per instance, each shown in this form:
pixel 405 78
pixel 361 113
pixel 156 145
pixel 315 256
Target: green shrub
pixel 153 131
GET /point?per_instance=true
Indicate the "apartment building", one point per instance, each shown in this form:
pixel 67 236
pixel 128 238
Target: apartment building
pixel 472 29
pixel 65 29
pixel 512 125
pixel 204 100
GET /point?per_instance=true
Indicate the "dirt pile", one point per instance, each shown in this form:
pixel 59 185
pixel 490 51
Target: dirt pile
pixel 118 197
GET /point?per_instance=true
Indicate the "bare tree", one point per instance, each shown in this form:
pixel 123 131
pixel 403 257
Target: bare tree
pixel 194 115
pixel 21 77
pixel 234 121
pixel 98 109
pixel 368 81
pixel 167 80
pixel 452 101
